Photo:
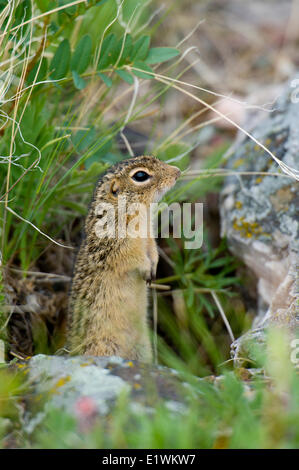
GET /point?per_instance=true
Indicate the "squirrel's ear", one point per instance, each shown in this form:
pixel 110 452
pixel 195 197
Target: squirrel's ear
pixel 114 187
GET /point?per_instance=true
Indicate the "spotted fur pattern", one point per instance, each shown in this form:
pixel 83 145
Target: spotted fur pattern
pixel 108 300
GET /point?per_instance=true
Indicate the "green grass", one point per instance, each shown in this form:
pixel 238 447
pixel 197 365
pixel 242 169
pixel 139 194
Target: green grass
pixel 57 137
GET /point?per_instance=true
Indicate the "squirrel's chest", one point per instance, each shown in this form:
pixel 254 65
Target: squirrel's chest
pixel 121 296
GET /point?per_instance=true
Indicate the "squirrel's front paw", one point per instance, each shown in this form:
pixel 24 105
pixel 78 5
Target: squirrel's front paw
pixel 150 279
pixel 149 271
pixel 149 276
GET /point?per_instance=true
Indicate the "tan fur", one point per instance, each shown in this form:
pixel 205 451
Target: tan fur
pixel 108 302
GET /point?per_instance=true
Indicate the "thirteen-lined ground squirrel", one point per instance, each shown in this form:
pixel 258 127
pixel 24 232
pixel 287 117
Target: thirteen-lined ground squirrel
pixel 108 302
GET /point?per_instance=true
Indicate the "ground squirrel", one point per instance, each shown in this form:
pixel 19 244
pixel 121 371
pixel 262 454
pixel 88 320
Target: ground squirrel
pixel 108 301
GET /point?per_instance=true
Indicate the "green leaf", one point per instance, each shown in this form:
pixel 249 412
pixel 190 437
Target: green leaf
pixel 53 27
pixel 140 48
pixel 126 49
pixel 111 158
pixel 41 74
pixel 161 54
pixel 70 10
pixel 61 61
pixel 82 54
pixel 84 139
pixel 44 5
pixel 126 76
pixel 145 68
pixel 77 207
pixel 90 175
pixel 190 294
pixel 179 151
pixel 79 82
pixel 108 46
pixel 106 80
pixel 208 306
pixel 22 12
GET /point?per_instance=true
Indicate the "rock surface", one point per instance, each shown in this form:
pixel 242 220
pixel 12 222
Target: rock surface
pixel 260 213
pixel 91 385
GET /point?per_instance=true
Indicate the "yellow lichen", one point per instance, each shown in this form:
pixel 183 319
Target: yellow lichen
pixel 238 162
pixel 62 381
pixel 238 205
pixel 247 229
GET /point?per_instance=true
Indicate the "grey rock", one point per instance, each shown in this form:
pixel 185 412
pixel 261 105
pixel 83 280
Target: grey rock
pixel 87 385
pixel 260 214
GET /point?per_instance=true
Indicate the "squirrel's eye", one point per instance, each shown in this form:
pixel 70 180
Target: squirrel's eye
pixel 140 176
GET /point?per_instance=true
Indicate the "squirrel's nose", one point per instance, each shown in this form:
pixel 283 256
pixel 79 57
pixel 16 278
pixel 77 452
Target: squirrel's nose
pixel 177 172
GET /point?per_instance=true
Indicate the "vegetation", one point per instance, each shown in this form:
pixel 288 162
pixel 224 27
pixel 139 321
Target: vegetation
pixel 74 81
pixel 239 410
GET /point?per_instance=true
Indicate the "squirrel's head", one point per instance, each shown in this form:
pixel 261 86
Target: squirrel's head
pixel 142 179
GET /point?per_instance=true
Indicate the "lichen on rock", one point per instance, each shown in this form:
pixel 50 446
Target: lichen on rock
pixel 260 212
pixel 89 386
